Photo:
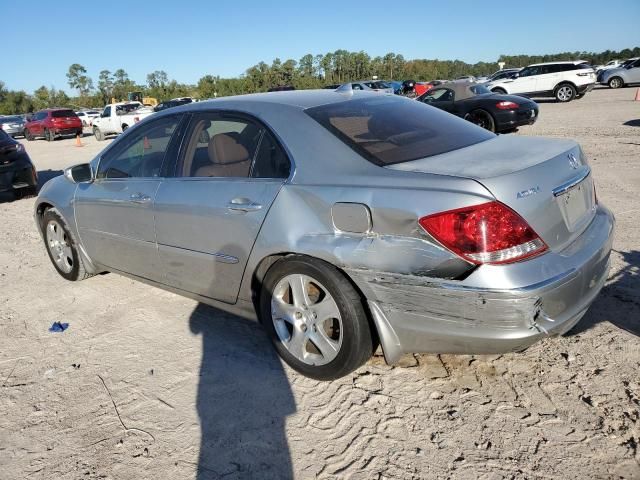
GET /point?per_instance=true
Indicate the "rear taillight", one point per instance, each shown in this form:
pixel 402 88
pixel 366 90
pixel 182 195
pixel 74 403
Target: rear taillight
pixel 486 233
pixel 507 105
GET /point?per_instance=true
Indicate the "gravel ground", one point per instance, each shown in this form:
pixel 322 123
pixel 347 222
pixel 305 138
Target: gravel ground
pixel 146 384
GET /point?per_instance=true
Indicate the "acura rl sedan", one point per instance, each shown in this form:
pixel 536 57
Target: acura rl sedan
pixel 342 221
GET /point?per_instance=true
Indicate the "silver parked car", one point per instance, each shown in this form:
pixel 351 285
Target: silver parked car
pixel 628 73
pixel 13 125
pixel 340 221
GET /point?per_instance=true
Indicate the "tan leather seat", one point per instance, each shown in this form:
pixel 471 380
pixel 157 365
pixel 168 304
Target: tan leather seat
pixel 228 158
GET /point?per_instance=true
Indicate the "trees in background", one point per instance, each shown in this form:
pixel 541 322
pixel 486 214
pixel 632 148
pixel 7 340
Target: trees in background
pixel 310 71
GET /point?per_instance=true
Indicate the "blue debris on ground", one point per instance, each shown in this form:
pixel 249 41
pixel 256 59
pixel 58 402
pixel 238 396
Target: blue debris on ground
pixel 58 327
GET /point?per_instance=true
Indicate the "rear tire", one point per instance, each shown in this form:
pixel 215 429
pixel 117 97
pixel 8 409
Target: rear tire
pixel 481 118
pixel 616 82
pixel 62 247
pixel 565 93
pixel 98 134
pixel 297 323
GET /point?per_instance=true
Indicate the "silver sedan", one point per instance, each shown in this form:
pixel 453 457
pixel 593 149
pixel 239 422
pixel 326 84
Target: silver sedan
pixel 342 221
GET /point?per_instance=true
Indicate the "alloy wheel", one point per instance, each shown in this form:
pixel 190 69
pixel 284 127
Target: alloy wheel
pixel 59 246
pixel 307 319
pixel 564 93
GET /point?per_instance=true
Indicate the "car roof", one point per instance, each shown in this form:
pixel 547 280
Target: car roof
pixel 571 62
pixel 300 99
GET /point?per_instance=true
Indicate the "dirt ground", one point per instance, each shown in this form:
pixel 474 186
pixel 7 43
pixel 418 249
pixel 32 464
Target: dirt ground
pixel 147 384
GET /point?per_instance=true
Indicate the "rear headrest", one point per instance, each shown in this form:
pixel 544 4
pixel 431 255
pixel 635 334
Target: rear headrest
pixel 224 149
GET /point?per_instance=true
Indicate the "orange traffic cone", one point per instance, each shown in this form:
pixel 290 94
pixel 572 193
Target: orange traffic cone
pixel 637 99
pixel 78 141
pixel 147 145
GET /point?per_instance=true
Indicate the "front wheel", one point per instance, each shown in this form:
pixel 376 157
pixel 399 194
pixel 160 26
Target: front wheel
pixel 565 93
pixel 315 318
pixel 616 82
pixel 499 90
pixel 98 134
pixel 481 118
pixel 61 247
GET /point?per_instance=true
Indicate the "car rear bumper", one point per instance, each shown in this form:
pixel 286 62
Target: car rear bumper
pixel 67 130
pixel 13 131
pixel 508 119
pixel 19 174
pixel 416 314
pixel 582 89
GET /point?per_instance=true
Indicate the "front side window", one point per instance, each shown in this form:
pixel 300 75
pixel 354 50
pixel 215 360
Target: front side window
pixel 140 153
pixel 388 130
pixel 479 89
pixel 107 112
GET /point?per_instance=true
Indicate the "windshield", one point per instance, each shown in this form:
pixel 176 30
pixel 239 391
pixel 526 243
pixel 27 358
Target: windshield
pixel 479 89
pixel 389 130
pixel 63 113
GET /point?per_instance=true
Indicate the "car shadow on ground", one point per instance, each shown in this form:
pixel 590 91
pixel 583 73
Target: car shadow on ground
pixel 619 301
pixel 243 400
pixel 633 123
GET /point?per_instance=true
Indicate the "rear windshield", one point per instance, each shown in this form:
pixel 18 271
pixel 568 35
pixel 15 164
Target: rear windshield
pixel 63 113
pixel 388 130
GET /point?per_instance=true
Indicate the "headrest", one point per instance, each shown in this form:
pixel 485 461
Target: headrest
pixel 224 149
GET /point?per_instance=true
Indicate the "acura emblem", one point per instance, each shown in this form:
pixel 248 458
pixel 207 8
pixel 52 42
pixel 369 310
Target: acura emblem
pixel 573 161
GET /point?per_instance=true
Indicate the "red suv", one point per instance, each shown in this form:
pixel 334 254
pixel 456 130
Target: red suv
pixel 51 123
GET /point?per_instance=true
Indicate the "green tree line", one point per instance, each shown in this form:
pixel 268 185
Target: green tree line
pixel 310 71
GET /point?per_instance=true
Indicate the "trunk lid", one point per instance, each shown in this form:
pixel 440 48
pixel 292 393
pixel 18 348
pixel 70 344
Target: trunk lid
pixel 546 181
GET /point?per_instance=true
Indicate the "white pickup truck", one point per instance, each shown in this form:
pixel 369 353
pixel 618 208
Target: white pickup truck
pixel 117 117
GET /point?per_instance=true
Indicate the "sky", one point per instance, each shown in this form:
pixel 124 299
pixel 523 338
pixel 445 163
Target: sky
pixel 190 39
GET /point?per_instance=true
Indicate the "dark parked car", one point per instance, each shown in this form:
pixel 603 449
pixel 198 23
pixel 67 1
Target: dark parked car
pixel 52 123
pixel 476 103
pixel 176 102
pixel 12 125
pixel 16 169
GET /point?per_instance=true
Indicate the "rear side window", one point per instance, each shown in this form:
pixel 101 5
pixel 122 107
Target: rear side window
pixel 388 130
pixel 63 113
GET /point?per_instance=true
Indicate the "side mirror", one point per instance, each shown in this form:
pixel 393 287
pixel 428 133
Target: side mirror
pixel 515 75
pixel 79 173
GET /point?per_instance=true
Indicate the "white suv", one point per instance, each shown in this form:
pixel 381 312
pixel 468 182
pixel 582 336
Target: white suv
pixel 562 80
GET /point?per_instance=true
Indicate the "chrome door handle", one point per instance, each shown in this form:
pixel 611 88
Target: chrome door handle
pixel 139 198
pixel 243 205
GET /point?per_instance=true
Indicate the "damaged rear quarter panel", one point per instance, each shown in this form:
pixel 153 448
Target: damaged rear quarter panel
pixel 300 222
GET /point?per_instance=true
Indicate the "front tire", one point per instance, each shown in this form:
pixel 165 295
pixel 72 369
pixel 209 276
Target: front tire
pixel 616 82
pixel 499 90
pixel 61 247
pixel 565 93
pixel 315 318
pixel 481 118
